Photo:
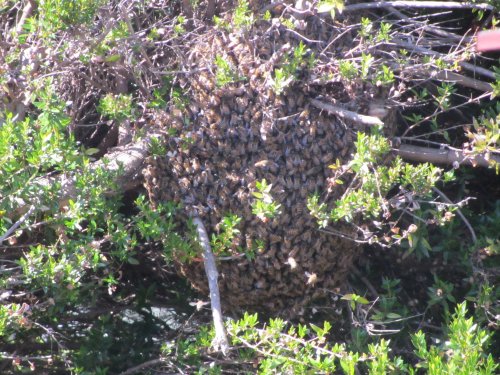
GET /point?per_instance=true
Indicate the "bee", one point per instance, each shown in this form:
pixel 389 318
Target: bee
pixel 277 266
pixel 293 232
pixel 313 129
pixel 253 146
pixel 312 278
pixel 315 149
pixel 294 251
pixel 273 239
pixel 327 158
pixel 304 115
pixel 262 163
pixel 184 184
pixel 214 100
pixel 257 117
pixel 292 263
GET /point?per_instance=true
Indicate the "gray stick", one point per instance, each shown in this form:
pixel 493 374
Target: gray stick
pixel 220 341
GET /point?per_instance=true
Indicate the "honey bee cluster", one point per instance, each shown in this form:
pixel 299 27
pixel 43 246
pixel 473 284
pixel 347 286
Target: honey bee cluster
pixel 230 137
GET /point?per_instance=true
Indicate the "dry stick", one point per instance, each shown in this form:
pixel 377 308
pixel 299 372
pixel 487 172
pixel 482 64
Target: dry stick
pixel 466 222
pixel 463 64
pixel 344 113
pixel 449 76
pixel 28 8
pixel 220 340
pixel 434 29
pixel 417 4
pixel 142 366
pixel 448 156
pixel 16 225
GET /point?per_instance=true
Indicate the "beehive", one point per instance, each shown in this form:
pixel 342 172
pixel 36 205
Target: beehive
pixel 230 137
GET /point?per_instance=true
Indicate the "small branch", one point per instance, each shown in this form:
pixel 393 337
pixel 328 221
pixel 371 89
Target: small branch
pixel 187 8
pixel 417 4
pixel 16 225
pixel 365 281
pixel 345 114
pixel 220 341
pixel 449 76
pixel 28 9
pixel 142 366
pixel 464 219
pixel 434 29
pixel 463 64
pixel 448 156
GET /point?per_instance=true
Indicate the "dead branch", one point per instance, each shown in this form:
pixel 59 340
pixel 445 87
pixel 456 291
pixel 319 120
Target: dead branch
pixel 17 224
pixel 27 10
pixel 448 156
pixel 468 66
pixel 459 212
pixel 344 113
pixel 417 4
pixel 141 367
pixel 433 29
pixel 449 76
pixel 220 341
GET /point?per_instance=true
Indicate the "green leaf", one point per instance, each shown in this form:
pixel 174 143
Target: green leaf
pixel 258 195
pixel 362 300
pixel 91 151
pixel 133 261
pixel 393 316
pixel 348 297
pixel 113 58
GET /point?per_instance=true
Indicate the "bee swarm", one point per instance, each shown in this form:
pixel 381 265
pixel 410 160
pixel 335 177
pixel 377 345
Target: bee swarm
pixel 229 137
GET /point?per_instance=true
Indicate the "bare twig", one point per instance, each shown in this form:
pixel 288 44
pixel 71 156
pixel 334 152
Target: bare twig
pixel 139 368
pixel 16 225
pixel 449 76
pixel 27 10
pixel 434 29
pixel 417 4
pixel 464 219
pixel 220 341
pixel 449 156
pixel 463 64
pixel 365 281
pixel 345 114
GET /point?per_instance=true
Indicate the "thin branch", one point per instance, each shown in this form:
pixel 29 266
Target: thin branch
pixel 345 114
pixel 28 9
pixel 463 64
pixel 434 29
pixel 417 4
pixel 16 225
pixel 365 281
pixel 449 156
pixel 220 341
pixel 464 219
pixel 142 366
pixel 449 76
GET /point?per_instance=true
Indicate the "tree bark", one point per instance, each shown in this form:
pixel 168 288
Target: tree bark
pixel 446 156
